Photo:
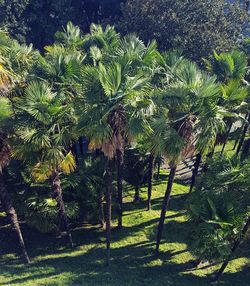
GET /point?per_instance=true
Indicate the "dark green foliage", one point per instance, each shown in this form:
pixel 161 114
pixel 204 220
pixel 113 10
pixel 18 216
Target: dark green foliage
pixel 12 17
pixel 37 21
pixel 197 27
pixel 219 208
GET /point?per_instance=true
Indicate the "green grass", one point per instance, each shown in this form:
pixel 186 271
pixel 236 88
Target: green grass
pixel 133 260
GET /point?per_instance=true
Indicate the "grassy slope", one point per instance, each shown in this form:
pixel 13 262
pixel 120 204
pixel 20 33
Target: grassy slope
pixel 133 260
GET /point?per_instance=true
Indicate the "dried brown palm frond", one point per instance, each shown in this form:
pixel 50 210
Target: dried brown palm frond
pixel 4 80
pixel 186 131
pixel 117 121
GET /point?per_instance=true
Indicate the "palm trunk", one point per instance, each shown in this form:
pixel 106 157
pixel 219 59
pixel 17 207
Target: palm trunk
pixel 226 139
pixel 150 179
pixel 101 211
pixel 238 139
pixel 164 206
pixel 234 248
pixel 243 135
pixel 120 166
pixel 57 192
pixel 137 194
pixel 235 144
pixel 11 213
pixel 158 170
pixel 108 180
pixel 195 171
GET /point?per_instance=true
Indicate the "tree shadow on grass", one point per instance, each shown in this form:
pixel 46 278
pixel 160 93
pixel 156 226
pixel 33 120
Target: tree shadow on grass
pixel 130 265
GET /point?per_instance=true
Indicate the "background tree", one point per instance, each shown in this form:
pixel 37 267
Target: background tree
pixel 177 26
pixel 13 19
pixel 37 21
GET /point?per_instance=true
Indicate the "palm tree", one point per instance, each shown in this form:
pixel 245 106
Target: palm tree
pixel 115 104
pixel 45 128
pixel 5 157
pixel 173 143
pixel 233 250
pixel 233 100
pixel 9 79
pixel 230 69
pixel 186 95
pixel 211 123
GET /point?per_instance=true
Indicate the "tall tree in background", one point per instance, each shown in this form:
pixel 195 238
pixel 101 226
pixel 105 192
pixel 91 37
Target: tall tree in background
pixel 37 21
pixel 185 24
pixel 12 17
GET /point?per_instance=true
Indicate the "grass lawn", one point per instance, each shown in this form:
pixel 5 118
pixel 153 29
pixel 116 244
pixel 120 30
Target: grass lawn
pixel 133 259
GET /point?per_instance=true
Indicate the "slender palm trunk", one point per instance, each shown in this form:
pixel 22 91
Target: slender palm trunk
pixel 137 194
pixel 195 171
pixel 57 192
pixel 120 166
pixel 164 206
pixel 235 144
pixel 11 213
pixel 108 194
pixel 226 139
pixel 158 170
pixel 101 210
pixel 234 248
pixel 243 135
pixel 150 179
pixel 238 139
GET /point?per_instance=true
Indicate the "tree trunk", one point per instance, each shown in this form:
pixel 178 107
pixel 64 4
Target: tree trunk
pixel 238 139
pixel 57 194
pixel 226 139
pixel 101 211
pixel 164 206
pixel 150 179
pixel 243 135
pixel 195 171
pixel 158 170
pixel 108 181
pixel 234 248
pixel 11 213
pixel 120 166
pixel 137 194
pixel 235 144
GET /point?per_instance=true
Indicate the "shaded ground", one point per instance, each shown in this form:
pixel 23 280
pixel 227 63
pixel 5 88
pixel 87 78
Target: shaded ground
pixel 133 259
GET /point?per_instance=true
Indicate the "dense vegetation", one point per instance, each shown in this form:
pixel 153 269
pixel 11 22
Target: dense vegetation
pixel 86 121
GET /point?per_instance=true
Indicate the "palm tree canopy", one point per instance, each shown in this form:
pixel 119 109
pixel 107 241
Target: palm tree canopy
pixel 45 128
